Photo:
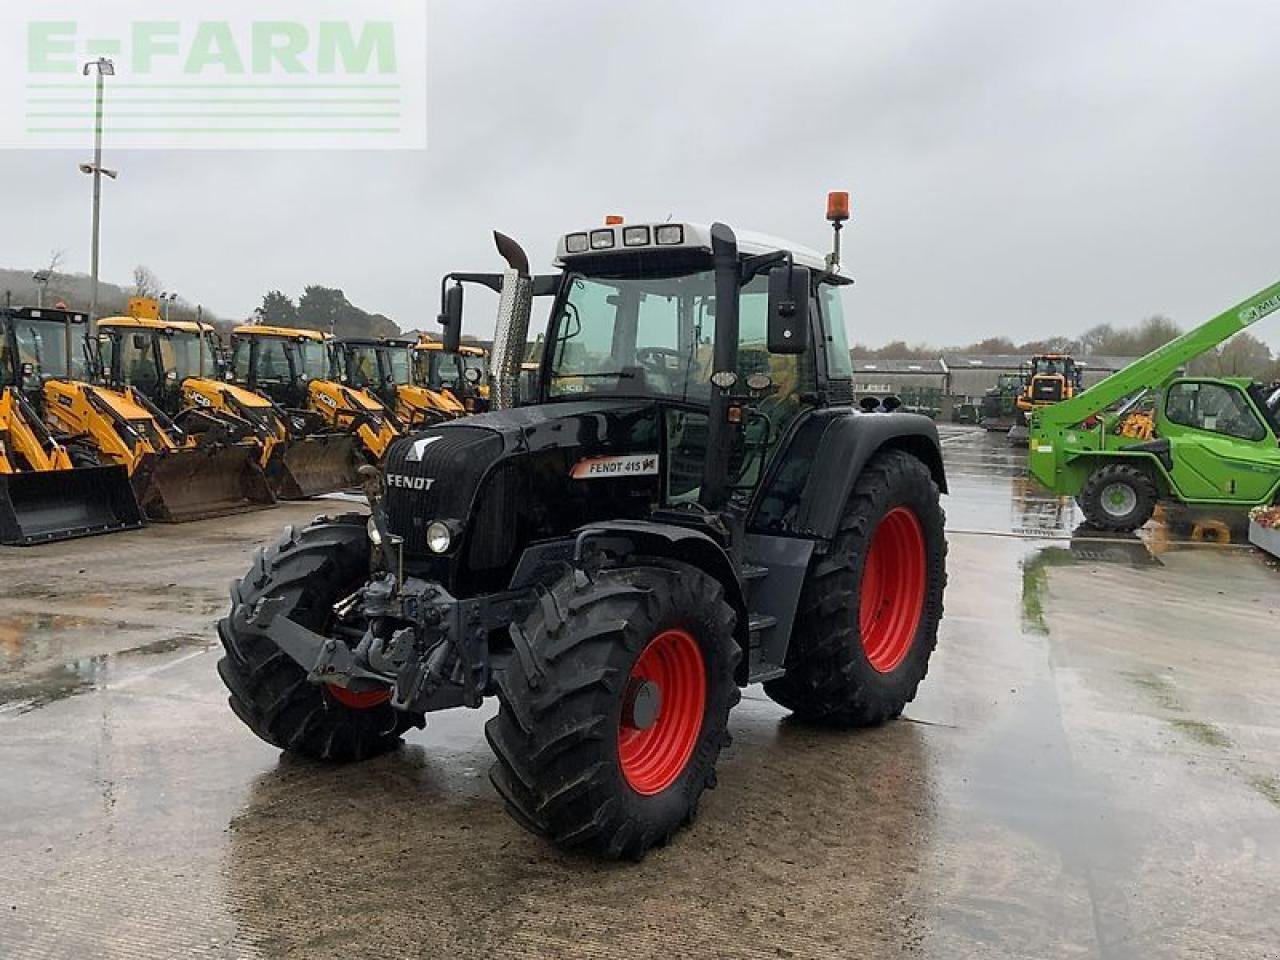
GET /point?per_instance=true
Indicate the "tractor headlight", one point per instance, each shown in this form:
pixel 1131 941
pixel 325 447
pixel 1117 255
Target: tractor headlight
pixel 374 536
pixel 601 239
pixel 635 236
pixel 576 243
pixel 669 234
pixel 439 537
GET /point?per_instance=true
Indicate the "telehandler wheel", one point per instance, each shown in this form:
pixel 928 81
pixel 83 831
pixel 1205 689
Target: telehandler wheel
pixel 1119 497
pixel 869 610
pixel 615 707
pixel 311 570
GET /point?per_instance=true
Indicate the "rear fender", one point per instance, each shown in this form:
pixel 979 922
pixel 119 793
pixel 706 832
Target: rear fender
pixel 808 488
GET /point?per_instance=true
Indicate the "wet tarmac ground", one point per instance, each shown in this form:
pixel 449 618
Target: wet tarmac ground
pixel 1092 769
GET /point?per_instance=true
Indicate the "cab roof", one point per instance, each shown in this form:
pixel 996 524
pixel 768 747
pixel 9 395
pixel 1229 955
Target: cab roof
pixel 692 236
pixel 375 342
pixel 292 333
pixel 436 345
pixel 147 323
pixel 52 314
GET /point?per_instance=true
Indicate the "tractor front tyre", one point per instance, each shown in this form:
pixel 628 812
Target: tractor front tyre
pixel 1118 497
pixel 311 570
pixel 869 610
pixel 615 707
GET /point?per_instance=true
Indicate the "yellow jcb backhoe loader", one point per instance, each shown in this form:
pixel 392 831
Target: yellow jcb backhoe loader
pixel 178 366
pixel 175 476
pixel 295 368
pixel 49 490
pixel 385 368
pixel 463 375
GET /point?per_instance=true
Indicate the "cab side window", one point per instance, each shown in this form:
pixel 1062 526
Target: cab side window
pixel 1214 408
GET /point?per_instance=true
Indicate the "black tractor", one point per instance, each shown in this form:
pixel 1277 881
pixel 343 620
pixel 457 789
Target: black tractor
pixel 691 505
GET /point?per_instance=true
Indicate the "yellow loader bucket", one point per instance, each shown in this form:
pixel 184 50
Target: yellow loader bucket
pixel 199 482
pixel 47 505
pixel 316 464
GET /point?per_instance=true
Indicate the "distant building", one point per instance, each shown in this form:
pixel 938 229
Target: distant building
pixel 960 376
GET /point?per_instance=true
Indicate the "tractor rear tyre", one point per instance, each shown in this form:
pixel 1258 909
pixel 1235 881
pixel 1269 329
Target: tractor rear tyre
pixel 311 569
pixel 869 610
pixel 615 706
pixel 1119 497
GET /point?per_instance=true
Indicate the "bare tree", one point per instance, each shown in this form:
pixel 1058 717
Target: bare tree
pixel 145 283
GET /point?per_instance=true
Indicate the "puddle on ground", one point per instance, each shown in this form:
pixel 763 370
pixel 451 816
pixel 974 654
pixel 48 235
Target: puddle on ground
pixel 87 673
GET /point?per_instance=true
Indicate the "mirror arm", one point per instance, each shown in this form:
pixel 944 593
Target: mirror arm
pixel 752 267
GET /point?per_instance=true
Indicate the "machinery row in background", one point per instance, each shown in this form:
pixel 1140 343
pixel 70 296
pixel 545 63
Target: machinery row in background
pixel 149 420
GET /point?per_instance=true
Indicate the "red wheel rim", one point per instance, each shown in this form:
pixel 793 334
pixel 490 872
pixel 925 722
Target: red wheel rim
pixel 891 600
pixel 359 699
pixel 653 758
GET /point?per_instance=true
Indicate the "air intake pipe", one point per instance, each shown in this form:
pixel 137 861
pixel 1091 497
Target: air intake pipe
pixel 720 432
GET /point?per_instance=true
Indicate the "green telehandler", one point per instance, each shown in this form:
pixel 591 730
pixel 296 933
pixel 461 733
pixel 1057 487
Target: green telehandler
pixel 1205 442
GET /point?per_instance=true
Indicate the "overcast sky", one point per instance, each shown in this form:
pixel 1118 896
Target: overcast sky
pixel 1016 168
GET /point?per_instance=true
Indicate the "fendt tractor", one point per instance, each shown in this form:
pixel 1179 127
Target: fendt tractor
pixel 175 476
pixel 52 486
pixel 295 368
pixel 692 504
pixel 178 366
pixel 388 368
pixel 1146 435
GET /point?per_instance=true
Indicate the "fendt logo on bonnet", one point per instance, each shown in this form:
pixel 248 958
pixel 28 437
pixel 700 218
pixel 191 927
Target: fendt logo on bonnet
pixel 409 483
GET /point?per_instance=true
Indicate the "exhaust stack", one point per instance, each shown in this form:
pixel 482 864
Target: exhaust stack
pixel 511 333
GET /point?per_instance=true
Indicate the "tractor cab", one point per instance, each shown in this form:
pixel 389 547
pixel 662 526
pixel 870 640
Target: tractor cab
pixel 463 374
pixel 280 362
pixel 388 369
pixel 157 357
pixel 38 344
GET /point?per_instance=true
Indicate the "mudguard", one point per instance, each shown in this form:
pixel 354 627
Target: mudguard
pixel 810 482
pixel 678 543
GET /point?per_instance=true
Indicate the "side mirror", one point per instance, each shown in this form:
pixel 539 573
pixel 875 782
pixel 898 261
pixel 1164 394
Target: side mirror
pixel 451 318
pixel 788 309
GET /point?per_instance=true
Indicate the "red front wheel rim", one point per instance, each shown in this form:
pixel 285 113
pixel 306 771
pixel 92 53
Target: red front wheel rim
pixel 653 758
pixel 891 600
pixel 360 699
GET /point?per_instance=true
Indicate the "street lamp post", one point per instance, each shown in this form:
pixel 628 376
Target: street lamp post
pixel 105 68
pixel 41 278
pixel 166 299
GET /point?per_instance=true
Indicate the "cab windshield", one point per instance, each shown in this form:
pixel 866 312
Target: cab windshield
pixel 437 369
pixel 362 366
pixel 312 359
pixel 44 346
pixel 471 361
pixel 652 336
pixel 183 353
pixel 398 359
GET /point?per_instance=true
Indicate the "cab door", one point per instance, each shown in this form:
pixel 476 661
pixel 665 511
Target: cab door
pixel 1221 448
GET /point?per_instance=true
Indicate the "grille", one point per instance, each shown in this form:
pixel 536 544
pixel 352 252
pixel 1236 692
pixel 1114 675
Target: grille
pixel 1048 390
pixel 454 461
